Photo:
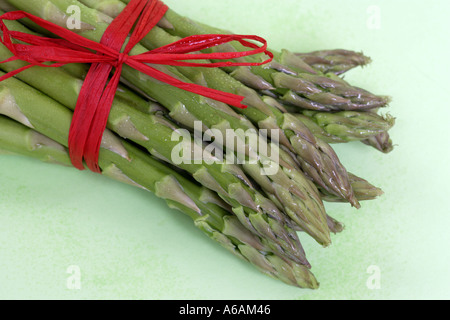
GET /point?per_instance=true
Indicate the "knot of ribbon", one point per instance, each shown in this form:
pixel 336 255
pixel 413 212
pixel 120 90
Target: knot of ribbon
pixel 98 90
pixel 123 57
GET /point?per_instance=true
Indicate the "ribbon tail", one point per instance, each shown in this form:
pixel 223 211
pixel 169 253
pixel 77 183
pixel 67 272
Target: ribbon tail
pixel 87 104
pixel 15 72
pixel 225 97
pixel 99 123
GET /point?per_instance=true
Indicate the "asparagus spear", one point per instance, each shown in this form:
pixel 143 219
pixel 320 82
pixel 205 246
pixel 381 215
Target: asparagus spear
pixel 325 61
pixel 208 211
pixel 349 125
pixel 335 61
pixel 15 138
pixel 341 127
pixel 317 159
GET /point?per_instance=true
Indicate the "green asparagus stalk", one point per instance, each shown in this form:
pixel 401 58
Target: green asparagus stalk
pixel 334 61
pixel 208 211
pixel 325 61
pixel 348 125
pixel 155 134
pixel 17 139
pixel 317 159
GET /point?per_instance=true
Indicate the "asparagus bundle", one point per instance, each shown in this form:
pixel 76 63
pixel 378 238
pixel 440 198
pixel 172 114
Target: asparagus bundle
pixel 318 160
pixel 288 187
pixel 209 213
pixel 256 216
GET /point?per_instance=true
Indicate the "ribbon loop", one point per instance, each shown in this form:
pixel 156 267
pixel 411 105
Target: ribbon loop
pixel 97 94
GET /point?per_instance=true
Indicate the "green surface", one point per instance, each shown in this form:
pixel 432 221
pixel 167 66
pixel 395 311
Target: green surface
pixel 128 245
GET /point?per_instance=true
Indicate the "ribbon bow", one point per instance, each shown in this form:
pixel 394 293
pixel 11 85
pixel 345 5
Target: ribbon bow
pixel 97 94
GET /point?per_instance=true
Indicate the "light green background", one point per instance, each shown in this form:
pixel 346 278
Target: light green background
pixel 129 245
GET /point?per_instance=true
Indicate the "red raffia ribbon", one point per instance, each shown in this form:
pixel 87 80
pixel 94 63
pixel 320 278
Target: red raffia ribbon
pixel 97 94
